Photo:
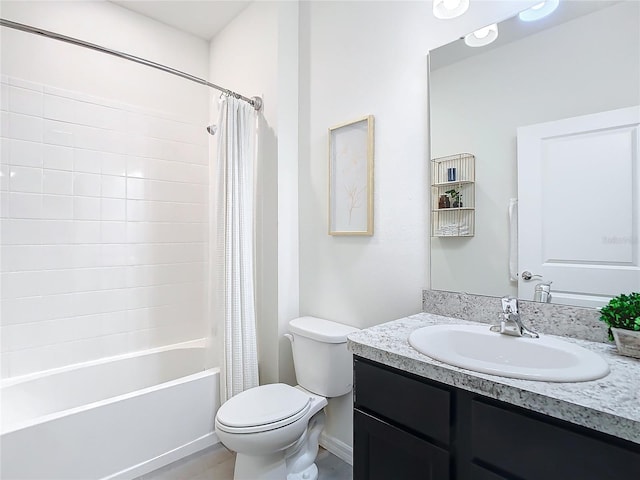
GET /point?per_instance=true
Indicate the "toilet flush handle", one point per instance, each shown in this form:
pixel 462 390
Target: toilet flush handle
pixel 289 336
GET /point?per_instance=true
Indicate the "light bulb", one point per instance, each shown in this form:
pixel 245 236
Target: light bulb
pixel 447 9
pixel 539 11
pixel 482 36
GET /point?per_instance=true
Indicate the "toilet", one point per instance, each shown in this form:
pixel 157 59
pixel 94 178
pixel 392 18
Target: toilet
pixel 275 428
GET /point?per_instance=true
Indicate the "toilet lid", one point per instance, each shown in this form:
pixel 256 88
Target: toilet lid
pixel 262 405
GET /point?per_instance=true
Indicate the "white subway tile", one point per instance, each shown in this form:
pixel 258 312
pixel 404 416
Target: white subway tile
pixel 87 256
pixel 89 161
pixel 21 232
pixel 58 133
pixel 21 310
pixel 98 139
pixel 86 231
pixel 28 361
pixel 57 157
pixel 57 257
pixel 100 116
pixel 60 108
pixel 113 278
pixel 5 200
pixel 57 232
pixel 27 102
pixel 4 97
pixel 87 303
pixel 115 254
pixel 4 124
pixel 86 208
pixel 25 179
pixel 25 205
pixel 58 182
pixel 5 150
pixel 135 188
pixel 114 187
pixel 59 207
pixel 86 184
pixel 113 232
pixel 136 167
pixel 5 365
pixel 57 282
pixel 114 209
pixel 114 164
pixel 57 306
pixel 87 279
pixel 114 344
pixel 148 231
pixel 25 127
pixel 4 177
pixel 21 284
pixel 114 300
pixel 114 322
pixel 22 83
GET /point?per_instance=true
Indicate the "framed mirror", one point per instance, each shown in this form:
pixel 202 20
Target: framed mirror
pixel 582 60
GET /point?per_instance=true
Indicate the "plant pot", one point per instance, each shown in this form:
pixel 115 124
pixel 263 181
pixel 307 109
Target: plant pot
pixel 627 341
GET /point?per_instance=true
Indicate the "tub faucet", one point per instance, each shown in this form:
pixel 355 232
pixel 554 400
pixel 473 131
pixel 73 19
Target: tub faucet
pixel 511 324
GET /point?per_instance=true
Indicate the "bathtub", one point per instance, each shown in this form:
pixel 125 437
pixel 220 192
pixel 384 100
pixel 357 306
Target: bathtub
pixel 116 418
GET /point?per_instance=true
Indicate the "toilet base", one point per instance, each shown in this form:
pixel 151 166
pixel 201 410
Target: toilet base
pixel 260 467
pixel 310 473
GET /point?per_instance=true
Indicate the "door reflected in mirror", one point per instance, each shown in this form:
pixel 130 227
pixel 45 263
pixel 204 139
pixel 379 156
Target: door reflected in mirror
pixel 582 60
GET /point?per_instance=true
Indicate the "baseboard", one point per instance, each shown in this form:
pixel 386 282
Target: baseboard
pixel 166 458
pixel 337 447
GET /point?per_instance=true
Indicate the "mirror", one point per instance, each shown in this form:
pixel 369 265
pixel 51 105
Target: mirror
pixel 582 59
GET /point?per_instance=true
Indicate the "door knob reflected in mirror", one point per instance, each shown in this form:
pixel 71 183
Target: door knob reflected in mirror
pixel 527 275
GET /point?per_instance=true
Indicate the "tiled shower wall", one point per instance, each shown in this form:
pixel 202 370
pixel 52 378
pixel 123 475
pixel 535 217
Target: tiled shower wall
pixel 104 228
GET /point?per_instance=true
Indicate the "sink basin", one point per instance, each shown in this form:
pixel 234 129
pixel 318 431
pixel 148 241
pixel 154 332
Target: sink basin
pixel 479 349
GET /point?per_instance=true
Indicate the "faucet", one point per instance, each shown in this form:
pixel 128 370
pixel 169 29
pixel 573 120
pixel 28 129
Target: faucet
pixel 511 324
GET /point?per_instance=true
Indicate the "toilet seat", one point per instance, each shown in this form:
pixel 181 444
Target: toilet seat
pixel 263 408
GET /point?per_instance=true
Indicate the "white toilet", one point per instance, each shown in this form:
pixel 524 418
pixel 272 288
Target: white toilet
pixel 275 428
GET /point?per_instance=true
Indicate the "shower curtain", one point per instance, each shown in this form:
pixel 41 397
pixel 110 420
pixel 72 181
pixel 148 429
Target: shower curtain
pixel 234 204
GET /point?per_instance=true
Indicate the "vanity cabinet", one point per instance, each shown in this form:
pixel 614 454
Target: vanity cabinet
pixel 408 427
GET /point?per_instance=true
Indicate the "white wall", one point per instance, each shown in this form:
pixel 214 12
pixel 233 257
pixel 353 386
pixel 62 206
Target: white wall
pixel 588 65
pixel 361 58
pixel 104 192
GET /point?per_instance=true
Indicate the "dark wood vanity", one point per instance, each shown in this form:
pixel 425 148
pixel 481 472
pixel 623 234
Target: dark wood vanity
pixel 410 427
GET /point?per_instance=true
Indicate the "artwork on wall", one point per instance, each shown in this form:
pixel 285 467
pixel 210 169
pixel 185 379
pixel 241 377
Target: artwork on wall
pixel 351 178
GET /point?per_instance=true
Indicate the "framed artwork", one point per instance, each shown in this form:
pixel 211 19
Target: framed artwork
pixel 351 178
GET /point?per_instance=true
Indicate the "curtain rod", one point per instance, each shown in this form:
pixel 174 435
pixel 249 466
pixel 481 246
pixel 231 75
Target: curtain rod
pixel 255 102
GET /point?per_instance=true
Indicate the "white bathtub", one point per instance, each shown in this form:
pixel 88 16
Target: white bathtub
pixel 116 418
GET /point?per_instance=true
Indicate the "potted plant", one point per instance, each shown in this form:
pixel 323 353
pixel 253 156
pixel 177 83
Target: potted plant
pixel 456 197
pixel 622 314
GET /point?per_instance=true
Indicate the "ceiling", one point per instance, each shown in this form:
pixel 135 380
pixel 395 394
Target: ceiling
pixel 202 18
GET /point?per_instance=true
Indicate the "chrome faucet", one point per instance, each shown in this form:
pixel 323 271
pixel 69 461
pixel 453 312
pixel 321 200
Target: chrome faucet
pixel 511 324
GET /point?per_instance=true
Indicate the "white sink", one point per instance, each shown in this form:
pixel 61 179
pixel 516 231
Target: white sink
pixel 479 349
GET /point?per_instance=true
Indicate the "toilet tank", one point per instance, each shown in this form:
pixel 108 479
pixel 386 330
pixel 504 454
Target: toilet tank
pixel 322 362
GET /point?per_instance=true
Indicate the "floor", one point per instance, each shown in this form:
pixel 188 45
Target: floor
pixel 216 463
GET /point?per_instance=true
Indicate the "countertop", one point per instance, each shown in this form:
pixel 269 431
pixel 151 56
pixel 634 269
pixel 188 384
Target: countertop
pixel 610 405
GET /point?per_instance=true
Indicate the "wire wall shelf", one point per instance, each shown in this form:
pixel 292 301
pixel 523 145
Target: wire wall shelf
pixel 453 196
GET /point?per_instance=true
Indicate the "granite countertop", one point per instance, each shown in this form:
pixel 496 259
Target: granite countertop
pixel 609 405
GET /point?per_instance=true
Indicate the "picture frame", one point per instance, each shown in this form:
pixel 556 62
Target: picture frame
pixel 351 146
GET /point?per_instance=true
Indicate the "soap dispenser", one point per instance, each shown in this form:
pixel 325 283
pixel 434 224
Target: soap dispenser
pixel 542 292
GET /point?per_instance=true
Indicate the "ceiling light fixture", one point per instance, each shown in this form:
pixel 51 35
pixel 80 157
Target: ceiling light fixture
pixel 539 11
pixel 446 9
pixel 482 37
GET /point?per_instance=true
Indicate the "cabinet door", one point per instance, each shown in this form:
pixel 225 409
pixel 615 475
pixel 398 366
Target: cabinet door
pixel 539 449
pixel 384 452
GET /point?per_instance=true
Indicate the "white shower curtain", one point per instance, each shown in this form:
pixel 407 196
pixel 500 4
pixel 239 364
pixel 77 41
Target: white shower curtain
pixel 234 204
